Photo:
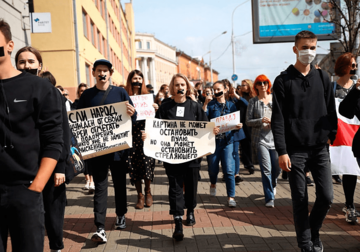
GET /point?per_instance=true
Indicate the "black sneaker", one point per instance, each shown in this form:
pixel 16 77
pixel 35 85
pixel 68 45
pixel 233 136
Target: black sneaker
pixel 350 216
pixel 307 249
pixel 251 169
pixel 99 236
pixel 238 179
pixel 337 179
pixel 190 218
pixel 178 234
pixel 120 222
pixel 318 246
pixel 309 182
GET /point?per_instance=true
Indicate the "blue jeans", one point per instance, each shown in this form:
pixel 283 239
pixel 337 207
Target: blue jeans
pixel 225 153
pixel 237 157
pixel 270 170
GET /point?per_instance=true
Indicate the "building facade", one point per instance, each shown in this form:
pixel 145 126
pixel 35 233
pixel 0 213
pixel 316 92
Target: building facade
pixel 155 59
pixel 84 31
pixel 194 68
pixel 16 13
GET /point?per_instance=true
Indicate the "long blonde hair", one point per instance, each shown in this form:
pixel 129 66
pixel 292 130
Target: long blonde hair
pixel 251 88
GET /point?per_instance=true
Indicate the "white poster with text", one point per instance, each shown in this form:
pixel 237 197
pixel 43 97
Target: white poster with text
pixel 144 106
pixel 227 122
pixel 101 130
pixel 176 141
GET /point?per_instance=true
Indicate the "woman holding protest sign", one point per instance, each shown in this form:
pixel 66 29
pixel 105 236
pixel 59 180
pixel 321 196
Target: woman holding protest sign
pixel 224 144
pixel 54 194
pixel 262 141
pixel 182 108
pixel 140 166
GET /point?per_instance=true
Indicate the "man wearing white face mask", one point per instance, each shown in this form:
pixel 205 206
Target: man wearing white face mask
pixel 303 122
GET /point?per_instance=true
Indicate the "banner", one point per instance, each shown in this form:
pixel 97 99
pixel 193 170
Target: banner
pixel 281 20
pixel 341 155
pixel 144 106
pixel 176 141
pixel 101 130
pixel 227 122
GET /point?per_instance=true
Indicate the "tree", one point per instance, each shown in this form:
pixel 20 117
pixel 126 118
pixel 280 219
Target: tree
pixel 346 18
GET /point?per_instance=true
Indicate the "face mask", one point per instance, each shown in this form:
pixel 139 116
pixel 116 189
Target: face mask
pixel 161 99
pixel 166 92
pixel 31 71
pixel 353 71
pixel 102 77
pixel 136 84
pixel 2 52
pixel 181 91
pixel 306 56
pixel 219 94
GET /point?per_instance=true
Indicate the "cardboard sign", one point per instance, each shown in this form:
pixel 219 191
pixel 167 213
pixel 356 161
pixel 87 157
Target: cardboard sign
pixel 176 141
pixel 227 122
pixel 144 106
pixel 101 130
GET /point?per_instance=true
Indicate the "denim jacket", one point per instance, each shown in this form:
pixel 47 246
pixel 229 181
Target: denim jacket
pixel 214 109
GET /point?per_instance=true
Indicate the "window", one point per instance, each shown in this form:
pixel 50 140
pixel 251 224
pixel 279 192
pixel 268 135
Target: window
pixel 105 48
pixel 98 40
pixel 92 30
pixel 148 45
pixel 84 24
pixel 140 45
pixel 87 70
pixel 96 4
pixel 101 8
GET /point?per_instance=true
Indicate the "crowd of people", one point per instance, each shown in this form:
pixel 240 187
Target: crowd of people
pixel 279 129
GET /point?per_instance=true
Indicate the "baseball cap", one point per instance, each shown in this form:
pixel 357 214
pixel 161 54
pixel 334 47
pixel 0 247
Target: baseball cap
pixel 102 62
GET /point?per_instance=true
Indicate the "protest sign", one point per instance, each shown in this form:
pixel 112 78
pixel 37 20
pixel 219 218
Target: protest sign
pixel 101 130
pixel 227 122
pixel 176 141
pixel 144 106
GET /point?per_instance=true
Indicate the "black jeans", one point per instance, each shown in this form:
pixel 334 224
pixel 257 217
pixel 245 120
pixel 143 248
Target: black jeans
pixel 178 177
pixel 54 205
pixel 99 166
pixel 349 185
pixel 21 215
pixel 317 160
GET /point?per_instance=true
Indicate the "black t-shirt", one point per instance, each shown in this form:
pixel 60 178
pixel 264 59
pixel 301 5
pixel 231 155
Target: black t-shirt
pixel 188 111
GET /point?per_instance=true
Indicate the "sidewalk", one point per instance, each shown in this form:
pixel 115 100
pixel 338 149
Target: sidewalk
pixel 248 227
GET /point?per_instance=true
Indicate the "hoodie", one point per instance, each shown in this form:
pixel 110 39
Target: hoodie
pixel 30 127
pixel 304 114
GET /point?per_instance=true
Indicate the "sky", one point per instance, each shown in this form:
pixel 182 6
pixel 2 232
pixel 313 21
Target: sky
pixel 190 25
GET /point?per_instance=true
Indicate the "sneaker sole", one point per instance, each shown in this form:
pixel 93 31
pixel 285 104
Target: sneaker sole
pixel 117 227
pixel 190 224
pixel 98 239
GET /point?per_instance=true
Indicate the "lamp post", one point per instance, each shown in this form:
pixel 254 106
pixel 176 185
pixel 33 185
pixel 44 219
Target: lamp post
pixel 211 75
pixel 233 38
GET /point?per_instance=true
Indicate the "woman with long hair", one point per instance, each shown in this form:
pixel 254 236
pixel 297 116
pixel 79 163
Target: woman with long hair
pixel 141 167
pixel 80 89
pixel 54 194
pixel 247 89
pixel 185 173
pixel 345 68
pixel 262 140
pixel 224 144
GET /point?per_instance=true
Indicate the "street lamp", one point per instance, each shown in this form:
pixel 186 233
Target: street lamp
pixel 210 54
pixel 232 37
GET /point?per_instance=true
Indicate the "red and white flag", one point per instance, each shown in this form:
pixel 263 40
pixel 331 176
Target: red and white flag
pixel 342 157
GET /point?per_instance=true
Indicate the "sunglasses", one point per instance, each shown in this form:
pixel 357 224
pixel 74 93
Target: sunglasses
pixel 260 83
pixel 354 65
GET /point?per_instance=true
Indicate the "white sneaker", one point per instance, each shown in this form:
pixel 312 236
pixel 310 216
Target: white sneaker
pixel 99 236
pixel 91 188
pixel 87 185
pixel 232 203
pixel 270 204
pixel 274 191
pixel 212 191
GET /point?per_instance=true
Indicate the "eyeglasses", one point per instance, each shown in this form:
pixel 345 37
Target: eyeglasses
pixel 354 65
pixel 260 83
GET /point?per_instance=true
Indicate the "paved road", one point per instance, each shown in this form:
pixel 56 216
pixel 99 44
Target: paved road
pixel 248 227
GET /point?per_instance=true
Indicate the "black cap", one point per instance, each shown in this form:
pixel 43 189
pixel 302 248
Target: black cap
pixel 102 62
pixel 149 86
